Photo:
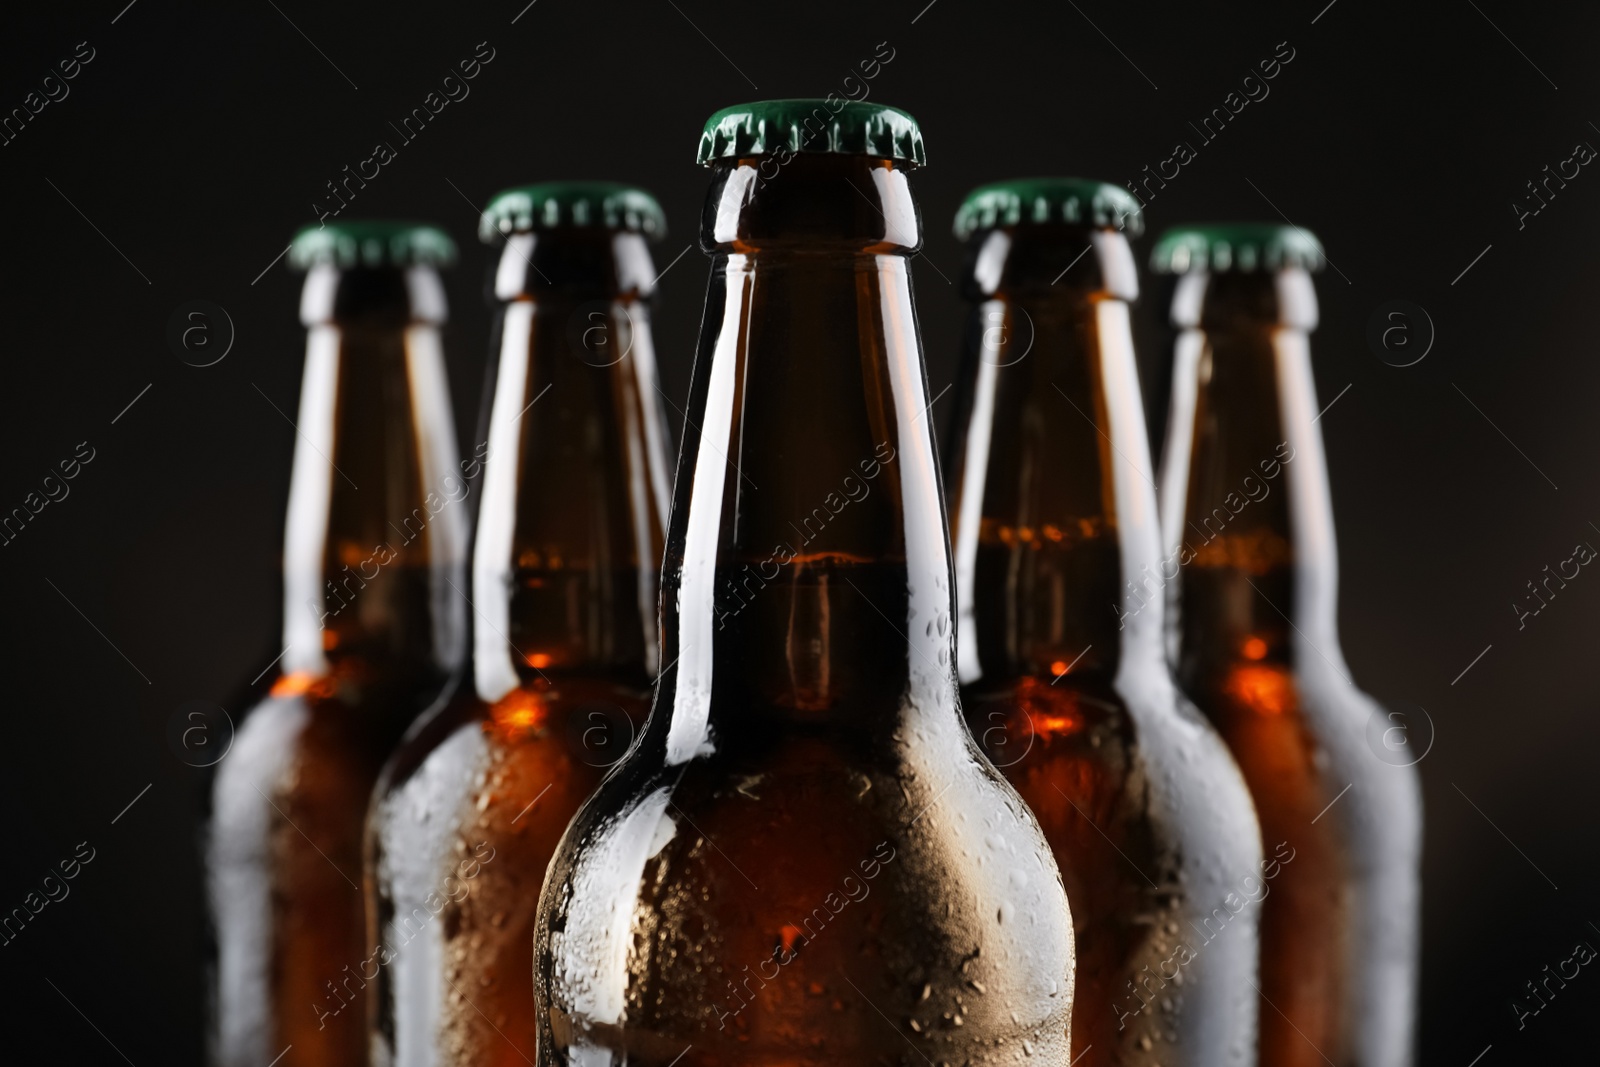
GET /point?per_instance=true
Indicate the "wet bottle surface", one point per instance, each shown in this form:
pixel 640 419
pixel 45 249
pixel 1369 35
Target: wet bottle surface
pixel 1247 510
pixel 1065 683
pixel 805 860
pixel 372 631
pixel 565 572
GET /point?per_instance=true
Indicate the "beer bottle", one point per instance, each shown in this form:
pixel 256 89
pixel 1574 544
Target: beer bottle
pixel 1248 516
pixel 564 576
pixel 1065 681
pixel 805 859
pixel 372 631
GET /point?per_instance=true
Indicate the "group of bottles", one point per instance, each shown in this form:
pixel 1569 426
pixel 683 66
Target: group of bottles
pixel 796 807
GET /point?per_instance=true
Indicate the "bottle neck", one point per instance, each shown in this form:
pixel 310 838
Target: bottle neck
pixel 571 526
pixel 1248 514
pixel 375 532
pixel 1053 498
pixel 807 575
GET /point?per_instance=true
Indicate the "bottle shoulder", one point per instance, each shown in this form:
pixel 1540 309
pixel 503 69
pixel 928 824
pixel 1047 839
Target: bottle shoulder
pixel 1321 700
pixel 811 859
pixel 1124 750
pixel 1132 708
pixel 923 784
pixel 316 729
pixel 265 746
pixel 582 721
pixel 483 784
pixel 1312 724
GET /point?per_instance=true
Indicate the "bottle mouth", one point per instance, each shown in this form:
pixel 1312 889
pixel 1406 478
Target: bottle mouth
pixel 820 203
pixel 1055 260
pixel 1284 298
pixel 384 296
pixel 584 263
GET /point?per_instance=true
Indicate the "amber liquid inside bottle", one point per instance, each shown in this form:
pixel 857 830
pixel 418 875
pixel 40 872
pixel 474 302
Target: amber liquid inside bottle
pixel 1256 645
pixel 564 593
pixel 1066 686
pixel 805 860
pixel 373 631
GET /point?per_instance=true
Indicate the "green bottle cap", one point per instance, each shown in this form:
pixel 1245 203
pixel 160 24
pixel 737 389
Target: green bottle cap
pixel 372 244
pixel 550 205
pixel 846 127
pixel 1021 201
pixel 1241 246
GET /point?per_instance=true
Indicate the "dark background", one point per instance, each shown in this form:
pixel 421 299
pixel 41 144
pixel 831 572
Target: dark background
pixel 195 141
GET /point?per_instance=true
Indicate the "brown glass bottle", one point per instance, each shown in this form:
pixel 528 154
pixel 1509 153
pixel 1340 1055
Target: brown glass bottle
pixel 1248 519
pixel 567 554
pixel 805 860
pixel 1065 682
pixel 372 631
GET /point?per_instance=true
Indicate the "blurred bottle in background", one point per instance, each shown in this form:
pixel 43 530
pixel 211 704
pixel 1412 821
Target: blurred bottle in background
pixel 373 630
pixel 564 578
pixel 805 859
pixel 1248 525
pixel 1065 681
